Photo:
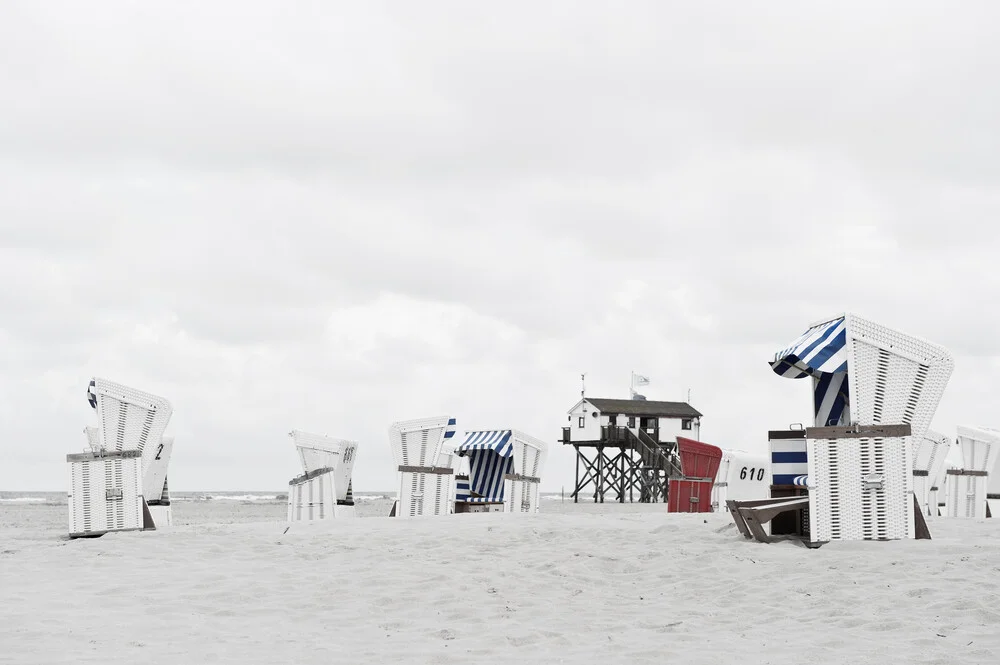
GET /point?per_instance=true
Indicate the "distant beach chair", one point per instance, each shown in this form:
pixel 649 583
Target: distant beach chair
pixel 423 450
pixel 967 487
pixel 741 476
pixel 324 490
pixel 992 493
pixel 930 453
pixel 700 463
pixel 154 484
pixel 107 483
pixel 872 389
pixel 505 469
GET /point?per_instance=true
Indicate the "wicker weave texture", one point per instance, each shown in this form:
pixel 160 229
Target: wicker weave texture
pixel 521 496
pixel 315 498
pixel 425 494
pixel 860 489
pixel 966 496
pixel 894 378
pixel 308 496
pixel 980 448
pixel 418 442
pixel 930 453
pixel 129 419
pixel 105 495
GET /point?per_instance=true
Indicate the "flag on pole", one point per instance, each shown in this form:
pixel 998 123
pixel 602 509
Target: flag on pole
pixel 641 380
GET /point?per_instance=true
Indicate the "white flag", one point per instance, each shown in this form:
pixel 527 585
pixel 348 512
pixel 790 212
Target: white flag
pixel 641 380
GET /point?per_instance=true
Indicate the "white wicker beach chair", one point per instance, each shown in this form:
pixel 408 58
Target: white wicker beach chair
pixel 967 487
pixel 324 490
pixel 426 464
pixel 504 471
pixel 106 483
pixel 930 454
pixel 870 384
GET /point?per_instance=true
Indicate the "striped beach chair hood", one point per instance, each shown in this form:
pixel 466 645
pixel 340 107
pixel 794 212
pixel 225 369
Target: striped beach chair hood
pixel 491 457
pixel 820 353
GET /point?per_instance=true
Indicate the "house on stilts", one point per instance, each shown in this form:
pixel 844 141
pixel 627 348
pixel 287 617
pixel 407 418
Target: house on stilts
pixel 626 449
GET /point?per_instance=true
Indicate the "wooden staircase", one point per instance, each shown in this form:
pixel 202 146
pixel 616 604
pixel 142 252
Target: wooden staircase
pixel 659 464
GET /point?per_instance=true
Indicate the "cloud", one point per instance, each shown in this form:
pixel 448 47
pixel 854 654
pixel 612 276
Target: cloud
pixel 331 218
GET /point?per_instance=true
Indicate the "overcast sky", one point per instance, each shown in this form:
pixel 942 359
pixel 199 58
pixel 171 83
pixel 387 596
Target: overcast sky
pixel 330 216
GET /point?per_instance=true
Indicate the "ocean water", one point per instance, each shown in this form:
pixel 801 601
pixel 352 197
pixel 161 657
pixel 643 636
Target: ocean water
pixel 44 514
pixel 48 510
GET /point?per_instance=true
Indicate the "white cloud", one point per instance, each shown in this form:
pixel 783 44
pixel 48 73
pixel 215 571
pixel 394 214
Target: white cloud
pixel 330 218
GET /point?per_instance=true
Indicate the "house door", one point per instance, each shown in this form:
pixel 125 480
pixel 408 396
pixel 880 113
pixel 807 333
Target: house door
pixel 651 426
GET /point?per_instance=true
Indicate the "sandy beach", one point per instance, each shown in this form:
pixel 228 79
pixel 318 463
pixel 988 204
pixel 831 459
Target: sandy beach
pixel 578 583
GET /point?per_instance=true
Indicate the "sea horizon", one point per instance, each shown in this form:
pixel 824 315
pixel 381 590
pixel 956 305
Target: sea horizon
pixel 58 497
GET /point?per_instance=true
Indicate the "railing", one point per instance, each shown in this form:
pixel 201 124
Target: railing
pixel 653 454
pixel 614 435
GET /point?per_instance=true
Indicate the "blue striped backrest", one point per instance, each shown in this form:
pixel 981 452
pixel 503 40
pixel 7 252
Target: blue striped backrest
pixel 788 460
pixel 486 472
pixel 461 489
pixel 831 397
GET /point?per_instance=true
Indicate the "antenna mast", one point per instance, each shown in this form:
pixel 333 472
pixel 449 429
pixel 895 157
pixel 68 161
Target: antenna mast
pixel 583 384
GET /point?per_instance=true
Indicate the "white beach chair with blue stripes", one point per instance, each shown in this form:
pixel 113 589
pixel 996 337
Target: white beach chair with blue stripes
pixel 505 467
pixel 324 490
pixel 107 490
pixel 930 455
pixel 865 375
pixel 968 486
pixel 425 461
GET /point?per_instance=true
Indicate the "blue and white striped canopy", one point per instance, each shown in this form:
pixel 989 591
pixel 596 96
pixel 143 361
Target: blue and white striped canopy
pixel 496 440
pixel 449 430
pixel 491 457
pixel 91 395
pixel 820 353
pixel 820 350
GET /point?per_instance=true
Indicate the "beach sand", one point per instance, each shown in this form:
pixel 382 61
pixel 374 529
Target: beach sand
pixel 575 584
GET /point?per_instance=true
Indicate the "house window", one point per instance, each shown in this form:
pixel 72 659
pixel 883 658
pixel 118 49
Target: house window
pixel 631 421
pixel 582 421
pixel 686 423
